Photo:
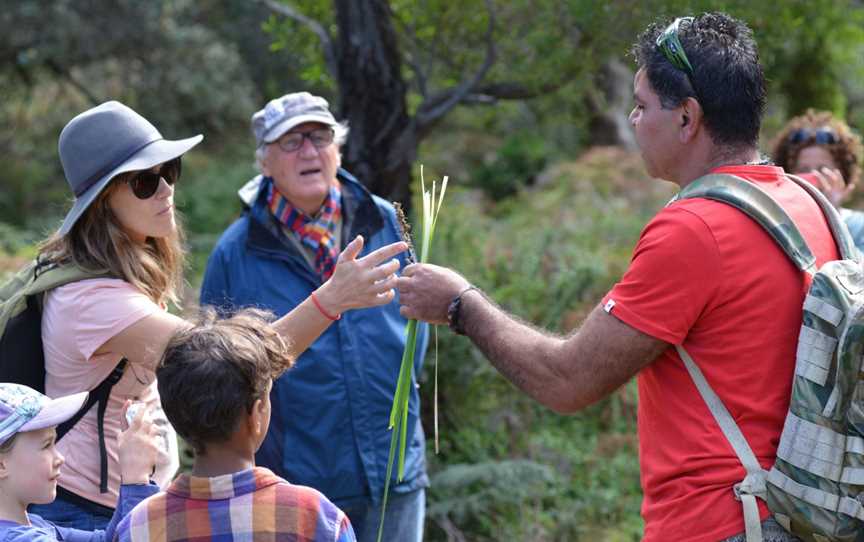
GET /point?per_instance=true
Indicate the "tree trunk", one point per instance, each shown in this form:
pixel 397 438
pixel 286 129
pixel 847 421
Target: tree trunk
pixel 382 143
pixel 610 105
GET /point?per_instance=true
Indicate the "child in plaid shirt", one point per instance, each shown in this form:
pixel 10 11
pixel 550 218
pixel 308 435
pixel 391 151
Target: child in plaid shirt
pixel 214 382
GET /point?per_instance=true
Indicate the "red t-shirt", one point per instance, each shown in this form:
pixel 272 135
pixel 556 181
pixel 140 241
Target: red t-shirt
pixel 706 275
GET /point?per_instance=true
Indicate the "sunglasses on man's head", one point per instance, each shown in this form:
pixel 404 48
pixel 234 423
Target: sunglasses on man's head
pixel 821 136
pixel 145 183
pixel 671 47
pixel 320 138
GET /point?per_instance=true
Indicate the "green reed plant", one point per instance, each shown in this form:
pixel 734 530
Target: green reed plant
pixel 432 200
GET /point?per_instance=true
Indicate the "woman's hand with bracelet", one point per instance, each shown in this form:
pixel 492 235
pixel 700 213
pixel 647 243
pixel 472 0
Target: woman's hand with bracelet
pixel 360 282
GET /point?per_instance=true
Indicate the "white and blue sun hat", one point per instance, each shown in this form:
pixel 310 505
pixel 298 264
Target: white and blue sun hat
pixel 25 409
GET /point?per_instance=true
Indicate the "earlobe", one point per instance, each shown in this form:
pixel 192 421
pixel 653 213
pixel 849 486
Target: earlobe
pixel 691 116
pixel 257 416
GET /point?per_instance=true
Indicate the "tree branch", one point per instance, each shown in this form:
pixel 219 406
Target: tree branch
pixel 66 74
pixel 410 33
pixel 517 91
pixel 316 27
pixel 433 109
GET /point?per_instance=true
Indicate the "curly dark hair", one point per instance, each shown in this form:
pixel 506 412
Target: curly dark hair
pixel 213 372
pixel 846 151
pixel 727 79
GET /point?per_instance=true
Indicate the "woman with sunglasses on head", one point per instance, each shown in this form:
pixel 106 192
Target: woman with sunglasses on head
pixel 826 152
pixel 123 230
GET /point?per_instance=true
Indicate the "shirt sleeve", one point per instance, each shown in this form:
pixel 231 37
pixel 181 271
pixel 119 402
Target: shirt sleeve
pixel 102 308
pixel 346 532
pixel 672 277
pixel 37 532
pixel 130 495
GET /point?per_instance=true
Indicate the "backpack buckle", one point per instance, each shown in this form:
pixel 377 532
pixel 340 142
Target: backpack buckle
pixel 736 489
pixel 752 484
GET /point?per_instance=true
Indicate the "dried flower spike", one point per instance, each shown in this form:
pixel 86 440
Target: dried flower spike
pixel 405 230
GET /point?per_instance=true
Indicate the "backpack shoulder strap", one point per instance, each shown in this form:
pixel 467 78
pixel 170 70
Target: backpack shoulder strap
pixel 842 237
pixel 51 275
pixel 758 205
pixel 753 484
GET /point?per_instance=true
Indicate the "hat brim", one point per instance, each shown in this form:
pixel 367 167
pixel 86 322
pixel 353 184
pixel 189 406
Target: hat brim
pixel 277 131
pixel 56 411
pixel 161 150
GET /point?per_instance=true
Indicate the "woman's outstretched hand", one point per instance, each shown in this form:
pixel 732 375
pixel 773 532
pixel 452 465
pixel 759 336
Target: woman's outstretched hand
pixel 361 282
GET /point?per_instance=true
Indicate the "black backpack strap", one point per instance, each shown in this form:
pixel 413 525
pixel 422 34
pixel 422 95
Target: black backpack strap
pixel 97 395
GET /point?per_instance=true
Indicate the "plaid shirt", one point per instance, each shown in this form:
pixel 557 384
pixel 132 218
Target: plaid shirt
pixel 254 505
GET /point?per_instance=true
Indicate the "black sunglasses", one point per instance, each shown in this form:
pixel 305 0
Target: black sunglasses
pixel 821 136
pixel 145 183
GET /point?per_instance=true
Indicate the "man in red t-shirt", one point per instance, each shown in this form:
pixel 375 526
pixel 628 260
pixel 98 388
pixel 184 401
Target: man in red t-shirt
pixel 703 275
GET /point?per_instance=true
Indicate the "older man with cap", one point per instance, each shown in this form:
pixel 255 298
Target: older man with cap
pixel 330 413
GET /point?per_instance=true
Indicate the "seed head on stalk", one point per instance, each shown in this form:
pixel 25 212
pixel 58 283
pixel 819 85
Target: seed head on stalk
pixel 399 411
pixel 405 230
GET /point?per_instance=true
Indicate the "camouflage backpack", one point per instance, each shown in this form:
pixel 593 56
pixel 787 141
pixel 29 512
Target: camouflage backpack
pixel 815 487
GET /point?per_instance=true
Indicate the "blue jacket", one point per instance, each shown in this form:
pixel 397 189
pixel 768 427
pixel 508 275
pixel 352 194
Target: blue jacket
pixel 330 411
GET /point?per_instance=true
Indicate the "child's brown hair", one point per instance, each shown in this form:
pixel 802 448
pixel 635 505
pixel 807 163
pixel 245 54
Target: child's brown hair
pixel 212 373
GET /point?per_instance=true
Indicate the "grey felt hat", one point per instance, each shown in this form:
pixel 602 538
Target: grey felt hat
pixel 288 111
pixel 105 141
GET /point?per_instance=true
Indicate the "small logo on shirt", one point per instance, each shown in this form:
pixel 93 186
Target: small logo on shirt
pixel 609 306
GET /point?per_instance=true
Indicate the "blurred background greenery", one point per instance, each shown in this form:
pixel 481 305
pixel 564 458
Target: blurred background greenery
pixel 522 103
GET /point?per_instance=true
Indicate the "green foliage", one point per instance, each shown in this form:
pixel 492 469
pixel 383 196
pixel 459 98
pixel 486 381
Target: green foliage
pixel 154 56
pixel 477 496
pixel 207 197
pixel 515 165
pixel 811 50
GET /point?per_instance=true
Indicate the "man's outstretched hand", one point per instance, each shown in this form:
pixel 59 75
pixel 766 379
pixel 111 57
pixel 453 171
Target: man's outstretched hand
pixel 425 292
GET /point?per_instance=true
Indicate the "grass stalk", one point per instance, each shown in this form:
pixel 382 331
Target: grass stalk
pixel 432 200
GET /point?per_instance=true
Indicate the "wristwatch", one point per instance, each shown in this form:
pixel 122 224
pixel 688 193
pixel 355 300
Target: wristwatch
pixel 454 310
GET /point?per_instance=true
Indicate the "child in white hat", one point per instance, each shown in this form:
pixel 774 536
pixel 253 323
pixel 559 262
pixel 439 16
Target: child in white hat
pixel 30 464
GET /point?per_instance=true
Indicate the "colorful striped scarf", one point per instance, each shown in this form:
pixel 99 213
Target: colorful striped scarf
pixel 318 232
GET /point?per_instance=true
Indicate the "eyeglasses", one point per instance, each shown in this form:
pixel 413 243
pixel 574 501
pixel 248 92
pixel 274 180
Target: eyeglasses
pixel 671 48
pixel 821 136
pixel 145 183
pixel 320 138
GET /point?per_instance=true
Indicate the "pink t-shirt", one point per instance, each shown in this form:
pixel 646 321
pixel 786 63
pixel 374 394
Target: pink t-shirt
pixel 77 320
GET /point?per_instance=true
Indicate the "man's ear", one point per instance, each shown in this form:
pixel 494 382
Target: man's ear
pixel 256 419
pixel 265 170
pixel 691 119
pixel 4 467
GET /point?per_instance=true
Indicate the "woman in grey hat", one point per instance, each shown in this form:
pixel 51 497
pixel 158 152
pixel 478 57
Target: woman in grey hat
pixel 123 226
